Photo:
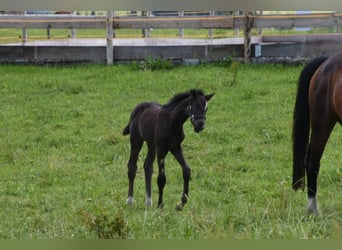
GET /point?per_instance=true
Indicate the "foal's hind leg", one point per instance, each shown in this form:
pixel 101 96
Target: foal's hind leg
pixel 148 167
pixel 136 145
pixel 178 153
pixel 319 138
pixel 161 154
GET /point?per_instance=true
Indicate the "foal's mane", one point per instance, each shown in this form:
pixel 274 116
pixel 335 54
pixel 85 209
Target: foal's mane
pixel 181 96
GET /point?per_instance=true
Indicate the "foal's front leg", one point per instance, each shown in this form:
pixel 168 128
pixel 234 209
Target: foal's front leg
pixel 178 153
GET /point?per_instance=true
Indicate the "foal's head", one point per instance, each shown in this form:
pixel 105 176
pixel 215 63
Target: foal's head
pixel 197 108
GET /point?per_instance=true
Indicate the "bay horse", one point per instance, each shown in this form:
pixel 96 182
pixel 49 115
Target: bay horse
pixel 318 107
pixel 161 127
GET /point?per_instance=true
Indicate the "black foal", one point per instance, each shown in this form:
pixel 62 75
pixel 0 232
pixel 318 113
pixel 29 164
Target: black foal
pixel 161 127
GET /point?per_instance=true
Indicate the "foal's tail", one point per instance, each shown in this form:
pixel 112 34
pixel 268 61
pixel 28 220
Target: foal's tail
pixel 137 111
pixel 301 122
pixel 125 131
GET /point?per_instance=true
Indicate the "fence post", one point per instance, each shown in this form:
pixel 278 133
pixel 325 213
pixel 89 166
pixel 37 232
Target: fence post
pixel 211 31
pixel 181 30
pixel 146 31
pixel 247 37
pixel 236 30
pixel 24 33
pixel 260 29
pixel 73 30
pixel 109 27
pixel 337 27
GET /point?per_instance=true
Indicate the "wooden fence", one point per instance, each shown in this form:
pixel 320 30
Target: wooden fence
pixel 191 22
pixel 111 22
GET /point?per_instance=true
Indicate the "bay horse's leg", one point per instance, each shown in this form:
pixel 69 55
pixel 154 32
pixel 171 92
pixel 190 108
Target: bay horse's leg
pixel 148 167
pixel 319 138
pixel 136 144
pixel 178 154
pixel 161 154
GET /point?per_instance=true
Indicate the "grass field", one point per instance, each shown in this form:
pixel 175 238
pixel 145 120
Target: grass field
pixel 63 158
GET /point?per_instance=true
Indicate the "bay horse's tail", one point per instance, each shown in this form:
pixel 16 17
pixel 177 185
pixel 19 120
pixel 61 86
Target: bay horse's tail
pixel 301 122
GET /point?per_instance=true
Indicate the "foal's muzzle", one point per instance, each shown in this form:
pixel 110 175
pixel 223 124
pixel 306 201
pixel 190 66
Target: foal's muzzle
pixel 199 124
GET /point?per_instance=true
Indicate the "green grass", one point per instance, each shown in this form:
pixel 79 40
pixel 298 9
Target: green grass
pixel 63 158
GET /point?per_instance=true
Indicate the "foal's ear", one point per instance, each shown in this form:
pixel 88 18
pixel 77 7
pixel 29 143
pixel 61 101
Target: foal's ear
pixel 208 97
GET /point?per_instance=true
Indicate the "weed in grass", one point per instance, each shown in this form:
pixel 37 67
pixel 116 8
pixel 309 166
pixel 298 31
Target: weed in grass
pixel 152 64
pixel 106 226
pixel 234 67
pixel 111 139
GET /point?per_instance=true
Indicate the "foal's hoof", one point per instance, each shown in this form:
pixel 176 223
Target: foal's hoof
pixel 148 202
pixel 312 207
pixel 314 213
pixel 179 206
pixel 130 201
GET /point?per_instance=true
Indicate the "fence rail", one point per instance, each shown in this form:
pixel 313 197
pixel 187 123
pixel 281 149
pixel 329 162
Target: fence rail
pixel 111 22
pixel 176 22
pixel 99 22
pixel 297 21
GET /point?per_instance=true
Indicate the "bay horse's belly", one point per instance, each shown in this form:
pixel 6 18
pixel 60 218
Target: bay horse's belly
pixel 325 97
pixel 337 99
